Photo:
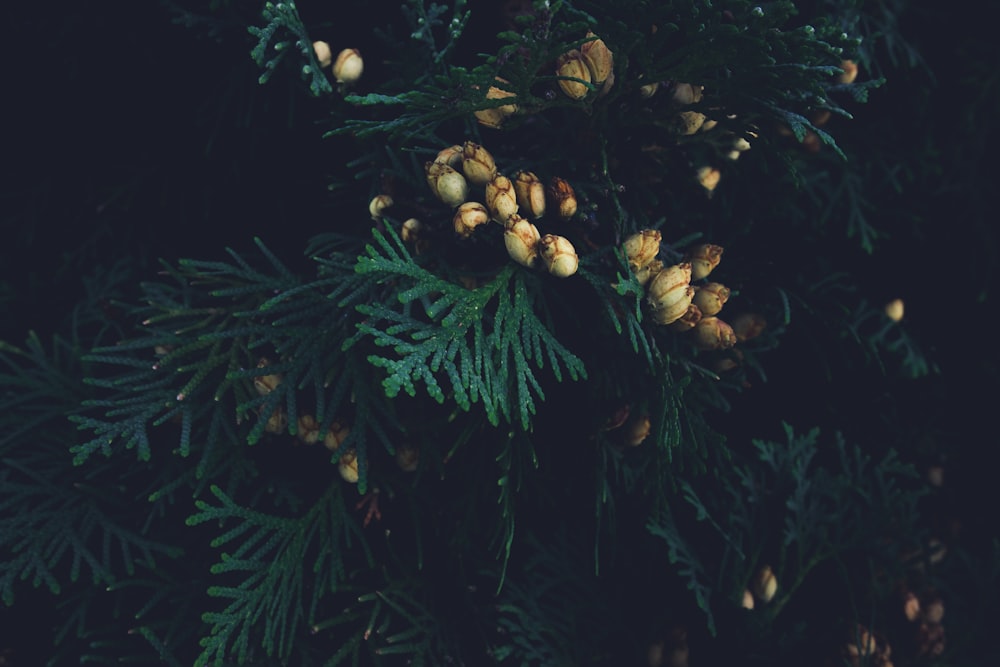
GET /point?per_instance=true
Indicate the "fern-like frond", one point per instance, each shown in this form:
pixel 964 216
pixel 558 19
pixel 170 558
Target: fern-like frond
pixel 486 344
pixel 283 567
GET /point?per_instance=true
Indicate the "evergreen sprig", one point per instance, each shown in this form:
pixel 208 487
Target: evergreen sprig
pixel 795 505
pixel 486 342
pixel 285 567
pixel 285 30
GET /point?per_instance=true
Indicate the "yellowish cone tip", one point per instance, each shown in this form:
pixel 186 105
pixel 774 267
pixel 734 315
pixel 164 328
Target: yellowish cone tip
pixel 348 467
pixel 669 293
pixel 600 62
pixel 348 66
pixel 530 194
pixel 563 197
pixel 558 255
pixel 850 72
pixel 324 56
pixel 468 216
pixel 765 584
pixel 501 200
pixel 494 117
pixel 477 164
pixel 709 177
pixel 378 205
pixel 571 64
pixel 336 436
pixel 894 310
pixel 642 247
pixel 521 240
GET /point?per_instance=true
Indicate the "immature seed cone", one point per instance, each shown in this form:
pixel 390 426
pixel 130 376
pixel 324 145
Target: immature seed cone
pixel 448 185
pixel 644 273
pixel 642 247
pixel 687 321
pixel 710 298
pixel 336 436
pixel 265 384
pixel 711 333
pixel 478 164
pixel 277 421
pixel 500 198
pixel 600 62
pixel 495 116
pixel 747 602
pixel 348 467
pixel 348 66
pixel 709 178
pixel 894 310
pixel 468 216
pixel 410 230
pixel 451 156
pixel 765 584
pixel 850 72
pixel 689 122
pixel 378 205
pixel 324 56
pixel 558 255
pixel 521 239
pixel 670 293
pixel 530 193
pixel 563 197
pixel 636 430
pixel 571 64
pixel 407 458
pixel 686 93
pixel 704 258
pixel 307 430
pixel 748 325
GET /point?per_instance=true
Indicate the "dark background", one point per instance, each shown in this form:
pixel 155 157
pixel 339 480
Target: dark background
pixel 129 137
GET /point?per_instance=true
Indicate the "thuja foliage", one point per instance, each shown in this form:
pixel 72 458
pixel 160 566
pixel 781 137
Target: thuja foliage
pixel 417 445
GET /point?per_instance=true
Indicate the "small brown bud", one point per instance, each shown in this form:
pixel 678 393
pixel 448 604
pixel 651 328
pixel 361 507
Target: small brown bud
pixel 709 178
pixel 478 164
pixel 711 333
pixel 265 384
pixel 530 193
pixel 521 239
pixel 451 156
pixel 670 293
pixel 407 458
pixel 336 436
pixel 468 216
pixel 689 122
pixel 348 66
pixel 571 64
pixel 495 116
pixel 378 205
pixel 348 467
pixel 500 198
pixel 765 584
pixel 686 93
pixel 820 117
pixel 563 197
pixel 600 62
pixel 558 255
pixel 688 320
pixel 277 421
pixel 636 430
pixel 324 56
pixel 911 607
pixel 448 185
pixel 307 430
pixel 710 298
pixel 642 247
pixel 649 89
pixel 645 273
pixel 894 310
pixel 850 72
pixel 933 611
pixel 410 230
pixel 747 326
pixel 704 258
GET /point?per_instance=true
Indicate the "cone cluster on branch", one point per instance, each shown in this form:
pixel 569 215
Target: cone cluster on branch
pixel 346 68
pixel 460 170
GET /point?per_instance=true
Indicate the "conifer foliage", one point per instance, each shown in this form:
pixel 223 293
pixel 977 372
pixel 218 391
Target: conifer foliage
pixel 496 412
